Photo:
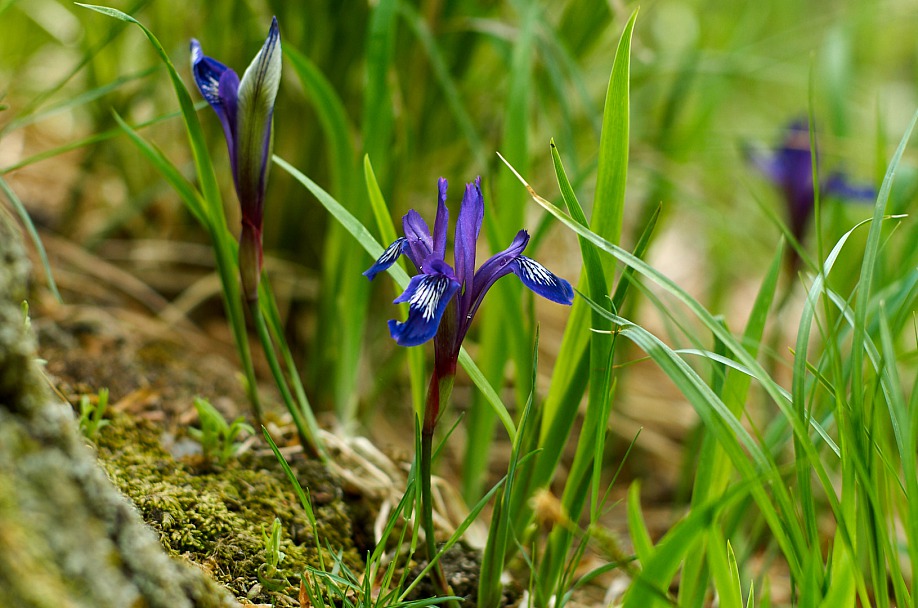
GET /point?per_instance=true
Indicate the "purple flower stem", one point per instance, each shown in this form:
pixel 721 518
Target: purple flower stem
pixel 438 394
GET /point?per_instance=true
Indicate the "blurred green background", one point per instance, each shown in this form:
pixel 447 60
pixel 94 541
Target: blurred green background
pixel 435 88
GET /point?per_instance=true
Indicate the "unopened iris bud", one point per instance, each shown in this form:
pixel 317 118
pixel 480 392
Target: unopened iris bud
pixel 246 111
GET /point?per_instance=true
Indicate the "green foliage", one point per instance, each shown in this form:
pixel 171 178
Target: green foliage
pixel 218 438
pixel 268 571
pixel 26 319
pixel 92 411
pixel 399 93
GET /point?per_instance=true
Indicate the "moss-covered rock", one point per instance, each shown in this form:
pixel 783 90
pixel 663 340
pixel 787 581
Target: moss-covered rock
pixel 216 515
pixel 67 537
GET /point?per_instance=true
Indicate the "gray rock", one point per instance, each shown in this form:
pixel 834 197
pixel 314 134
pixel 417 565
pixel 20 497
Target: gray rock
pixel 67 537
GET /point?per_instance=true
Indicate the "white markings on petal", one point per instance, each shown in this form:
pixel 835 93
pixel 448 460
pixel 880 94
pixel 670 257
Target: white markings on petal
pixel 427 296
pixel 207 79
pixel 392 251
pixel 211 89
pixel 535 272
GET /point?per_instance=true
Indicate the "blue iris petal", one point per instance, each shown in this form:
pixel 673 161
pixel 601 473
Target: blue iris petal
pixel 387 258
pixel 428 296
pixel 542 281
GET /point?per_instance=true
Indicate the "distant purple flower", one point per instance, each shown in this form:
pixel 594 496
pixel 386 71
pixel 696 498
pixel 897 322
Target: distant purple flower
pixel 790 167
pixel 437 285
pixel 246 111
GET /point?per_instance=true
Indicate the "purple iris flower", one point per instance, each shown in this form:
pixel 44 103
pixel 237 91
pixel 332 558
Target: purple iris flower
pixel 790 167
pixel 438 284
pixel 246 111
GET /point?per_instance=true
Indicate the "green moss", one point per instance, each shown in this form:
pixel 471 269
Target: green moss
pixel 215 516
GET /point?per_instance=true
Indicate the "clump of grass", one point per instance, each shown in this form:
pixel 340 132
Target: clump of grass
pixel 92 412
pixel 218 438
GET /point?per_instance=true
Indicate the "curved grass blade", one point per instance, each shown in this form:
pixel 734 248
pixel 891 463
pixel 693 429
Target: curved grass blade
pixel 88 141
pixel 416 362
pixel 33 234
pixel 338 344
pixel 608 206
pixel 79 100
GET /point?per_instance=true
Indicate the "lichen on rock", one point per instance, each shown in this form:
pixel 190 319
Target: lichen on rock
pixel 67 537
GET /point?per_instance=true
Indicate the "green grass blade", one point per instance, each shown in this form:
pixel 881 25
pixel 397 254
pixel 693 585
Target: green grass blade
pixel 438 64
pixel 637 527
pixel 416 363
pixel 502 519
pixel 378 118
pixel 79 100
pixel 186 191
pixel 649 587
pixel 612 172
pixel 33 234
pixel 713 471
pixel 85 60
pixel 88 141
pixel 292 478
pixel 723 569
pixel 332 116
pixel 608 205
pixel 905 441
pixel 338 344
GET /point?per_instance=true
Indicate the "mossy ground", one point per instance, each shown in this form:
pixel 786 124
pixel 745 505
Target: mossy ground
pixel 215 516
pixel 212 515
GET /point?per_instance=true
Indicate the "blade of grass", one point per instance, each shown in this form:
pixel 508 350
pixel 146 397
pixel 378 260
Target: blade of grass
pixel 649 587
pixel 608 205
pixel 416 362
pixel 438 64
pixel 378 115
pixel 23 214
pixel 490 588
pixel 78 100
pixel 85 60
pixel 713 471
pixel 338 343
pixel 88 141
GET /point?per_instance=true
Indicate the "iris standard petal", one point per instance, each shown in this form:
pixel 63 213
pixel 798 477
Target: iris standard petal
pixel 542 281
pixel 387 258
pixel 428 296
pixel 468 226
pixel 420 243
pixel 257 93
pixel 441 223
